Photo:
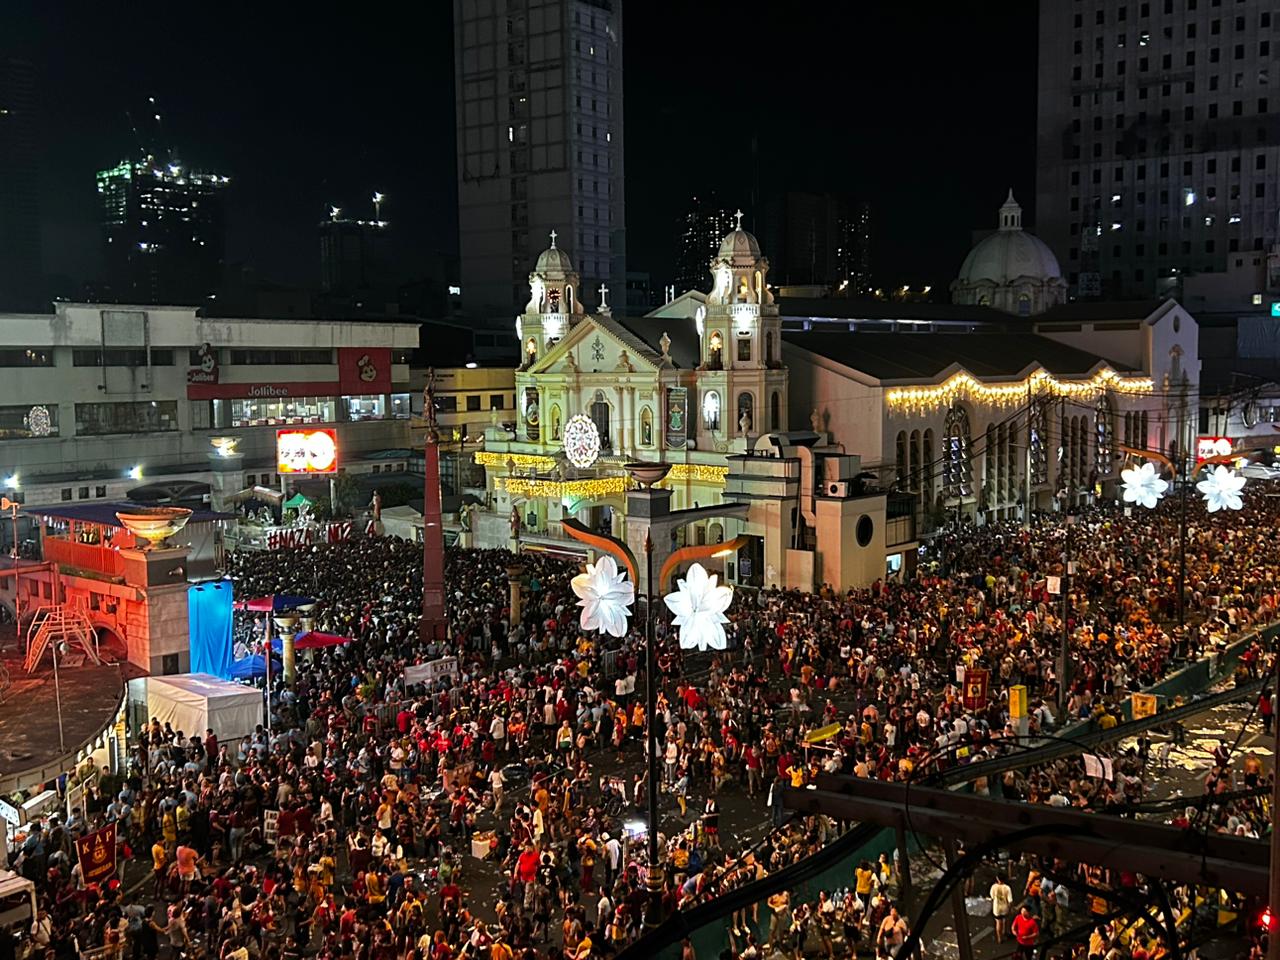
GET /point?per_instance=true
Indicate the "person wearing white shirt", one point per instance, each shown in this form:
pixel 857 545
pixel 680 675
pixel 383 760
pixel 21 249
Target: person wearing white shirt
pixel 1001 903
pixel 496 782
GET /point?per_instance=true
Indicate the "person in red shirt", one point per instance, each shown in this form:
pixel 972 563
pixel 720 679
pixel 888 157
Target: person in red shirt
pixel 1026 930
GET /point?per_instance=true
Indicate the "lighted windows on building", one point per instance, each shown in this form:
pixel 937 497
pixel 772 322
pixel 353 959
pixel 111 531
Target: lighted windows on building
pixel 957 476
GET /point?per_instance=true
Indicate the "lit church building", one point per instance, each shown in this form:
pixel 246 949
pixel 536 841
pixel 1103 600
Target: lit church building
pixel 595 391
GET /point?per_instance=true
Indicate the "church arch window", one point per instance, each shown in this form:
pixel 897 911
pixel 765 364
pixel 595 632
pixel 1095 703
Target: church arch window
pixel 926 472
pixel 715 349
pixel 600 411
pixel 531 349
pixel 913 478
pixel 711 410
pixel 769 358
pixel 1039 445
pixel 746 413
pixel 553 299
pixel 1104 435
pixel 646 427
pixel 568 297
pixel 984 300
pixel 775 411
pixel 744 348
pixel 555 421
pixel 957 467
pixel 759 287
pixel 900 459
pixel 1024 304
pixel 989 473
pixel 715 532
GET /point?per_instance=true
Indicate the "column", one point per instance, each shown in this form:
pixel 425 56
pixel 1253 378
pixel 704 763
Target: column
pixel 514 573
pixel 543 413
pixel 616 421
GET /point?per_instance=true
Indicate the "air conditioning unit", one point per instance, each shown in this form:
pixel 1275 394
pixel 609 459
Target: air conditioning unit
pixel 838 488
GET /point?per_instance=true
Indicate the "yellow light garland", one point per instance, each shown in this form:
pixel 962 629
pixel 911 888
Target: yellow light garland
pixel 696 473
pixel 559 489
pixel 964 386
pixel 487 458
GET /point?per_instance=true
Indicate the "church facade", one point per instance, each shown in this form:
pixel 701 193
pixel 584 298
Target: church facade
pixel 595 392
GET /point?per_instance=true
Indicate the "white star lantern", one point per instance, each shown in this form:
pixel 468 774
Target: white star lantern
pixel 1221 490
pixel 604 596
pixel 699 604
pixel 1142 485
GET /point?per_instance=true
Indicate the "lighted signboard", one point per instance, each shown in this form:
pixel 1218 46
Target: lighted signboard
pixel 1275 308
pixel 1207 447
pixel 307 451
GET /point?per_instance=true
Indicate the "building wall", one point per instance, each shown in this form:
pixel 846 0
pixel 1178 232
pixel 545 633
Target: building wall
pixel 540 143
pixel 850 409
pixel 1172 109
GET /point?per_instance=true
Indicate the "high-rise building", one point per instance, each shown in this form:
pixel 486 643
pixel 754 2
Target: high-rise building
pixel 163 230
pixel 1158 149
pixel 21 274
pixel 818 240
pixel 539 118
pixel 699 231
pixel 853 250
pixel 355 256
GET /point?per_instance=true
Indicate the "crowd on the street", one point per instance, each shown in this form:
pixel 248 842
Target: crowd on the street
pixel 499 812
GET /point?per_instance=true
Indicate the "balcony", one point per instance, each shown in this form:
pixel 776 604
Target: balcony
pixel 98 557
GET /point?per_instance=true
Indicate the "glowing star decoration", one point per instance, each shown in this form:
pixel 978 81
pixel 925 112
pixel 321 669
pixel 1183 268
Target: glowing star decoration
pixel 699 605
pixel 604 594
pixel 581 440
pixel 1143 485
pixel 1221 490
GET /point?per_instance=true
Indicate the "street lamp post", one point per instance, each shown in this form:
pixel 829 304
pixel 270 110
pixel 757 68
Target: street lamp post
pixel 57 695
pixel 12 506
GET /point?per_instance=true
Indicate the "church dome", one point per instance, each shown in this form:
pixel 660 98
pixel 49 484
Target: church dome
pixel 740 245
pixel 1011 270
pixel 1009 253
pixel 553 261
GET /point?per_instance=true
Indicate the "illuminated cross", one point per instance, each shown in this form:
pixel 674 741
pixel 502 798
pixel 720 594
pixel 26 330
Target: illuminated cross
pixel 738 215
pixel 553 239
pixel 604 295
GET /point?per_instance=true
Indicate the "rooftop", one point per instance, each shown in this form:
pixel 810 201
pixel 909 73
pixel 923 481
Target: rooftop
pixel 925 356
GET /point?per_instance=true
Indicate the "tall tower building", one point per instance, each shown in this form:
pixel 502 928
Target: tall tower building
pixel 355 257
pixel 699 231
pixel 853 250
pixel 1158 149
pixel 540 128
pixel 818 239
pixel 21 270
pixel 163 231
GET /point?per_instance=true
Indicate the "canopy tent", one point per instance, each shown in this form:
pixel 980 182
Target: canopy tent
pixel 297 501
pixel 279 601
pixel 311 640
pixel 195 702
pixel 253 666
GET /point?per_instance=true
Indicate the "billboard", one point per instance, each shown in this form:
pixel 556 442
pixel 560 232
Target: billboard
pixel 307 451
pixel 1207 447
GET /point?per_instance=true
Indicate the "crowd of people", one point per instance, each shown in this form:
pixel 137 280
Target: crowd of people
pixel 362 822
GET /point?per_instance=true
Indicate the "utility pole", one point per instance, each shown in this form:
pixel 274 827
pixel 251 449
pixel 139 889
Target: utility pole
pixel 1064 651
pixel 1273 898
pixel 432 626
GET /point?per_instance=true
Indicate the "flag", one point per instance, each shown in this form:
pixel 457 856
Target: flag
pixel 976 681
pixel 97 852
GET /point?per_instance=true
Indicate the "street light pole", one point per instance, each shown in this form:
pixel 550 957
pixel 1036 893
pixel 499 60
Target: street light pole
pixel 57 696
pixel 1273 941
pixel 1182 547
pixel 655 882
pixel 12 506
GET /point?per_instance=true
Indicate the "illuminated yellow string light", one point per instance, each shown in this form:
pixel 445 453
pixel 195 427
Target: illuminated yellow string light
pixel 487 458
pixel 560 489
pixel 696 473
pixel 964 386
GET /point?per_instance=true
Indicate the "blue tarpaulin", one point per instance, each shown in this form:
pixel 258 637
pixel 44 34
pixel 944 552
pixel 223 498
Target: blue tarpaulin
pixel 252 667
pixel 209 612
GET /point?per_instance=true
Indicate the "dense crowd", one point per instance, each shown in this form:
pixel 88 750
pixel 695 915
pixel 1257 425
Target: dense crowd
pixel 532 754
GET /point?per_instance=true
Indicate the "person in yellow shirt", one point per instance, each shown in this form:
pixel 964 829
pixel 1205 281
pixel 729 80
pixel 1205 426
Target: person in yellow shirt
pixel 796 773
pixel 864 877
pixel 158 861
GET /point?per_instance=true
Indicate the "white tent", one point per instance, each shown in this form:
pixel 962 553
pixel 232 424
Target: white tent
pixel 195 702
pixel 404 522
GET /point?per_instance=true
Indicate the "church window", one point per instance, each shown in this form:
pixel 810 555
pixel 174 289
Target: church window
pixel 555 422
pixel 746 413
pixel 553 299
pixel 957 476
pixel 900 462
pixel 711 410
pixel 568 297
pixel 768 348
pixel 926 472
pixel 1104 432
pixel 1039 446
pixel 744 349
pixel 646 427
pixel 600 417
pixel 775 411
pixel 531 349
pixel 913 478
pixel 1024 305
pixel 714 346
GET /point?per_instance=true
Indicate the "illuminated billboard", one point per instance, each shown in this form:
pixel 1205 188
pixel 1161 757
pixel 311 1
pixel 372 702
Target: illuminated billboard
pixel 307 451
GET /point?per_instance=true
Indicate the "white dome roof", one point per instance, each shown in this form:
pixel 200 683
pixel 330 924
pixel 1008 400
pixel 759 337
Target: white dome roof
pixel 1009 253
pixel 740 243
pixel 553 260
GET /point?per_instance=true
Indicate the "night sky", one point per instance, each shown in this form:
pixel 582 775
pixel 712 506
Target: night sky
pixel 925 109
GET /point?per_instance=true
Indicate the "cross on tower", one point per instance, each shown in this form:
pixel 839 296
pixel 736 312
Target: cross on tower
pixel 553 239
pixel 738 215
pixel 604 295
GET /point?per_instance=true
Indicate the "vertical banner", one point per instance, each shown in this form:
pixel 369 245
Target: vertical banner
pixel 976 684
pixel 97 852
pixel 677 417
pixel 209 607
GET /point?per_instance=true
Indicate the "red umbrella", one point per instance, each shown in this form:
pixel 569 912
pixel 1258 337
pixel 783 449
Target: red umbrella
pixel 314 639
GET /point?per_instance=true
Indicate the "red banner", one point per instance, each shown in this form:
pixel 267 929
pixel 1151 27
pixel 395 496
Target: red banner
pixel 97 852
pixel 976 682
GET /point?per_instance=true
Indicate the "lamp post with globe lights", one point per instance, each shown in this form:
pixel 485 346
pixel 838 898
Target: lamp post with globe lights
pixel 606 597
